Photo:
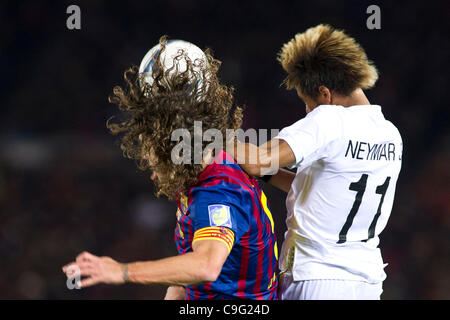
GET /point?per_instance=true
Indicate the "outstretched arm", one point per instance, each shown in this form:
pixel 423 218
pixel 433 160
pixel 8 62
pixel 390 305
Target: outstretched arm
pixel 265 159
pixel 203 264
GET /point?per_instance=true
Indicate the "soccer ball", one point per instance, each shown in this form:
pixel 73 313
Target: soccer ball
pixel 173 49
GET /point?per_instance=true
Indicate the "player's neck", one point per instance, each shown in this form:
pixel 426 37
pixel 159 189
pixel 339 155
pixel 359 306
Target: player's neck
pixel 356 98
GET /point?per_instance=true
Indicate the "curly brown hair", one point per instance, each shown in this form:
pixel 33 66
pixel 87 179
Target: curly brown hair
pixel 173 100
pixel 323 55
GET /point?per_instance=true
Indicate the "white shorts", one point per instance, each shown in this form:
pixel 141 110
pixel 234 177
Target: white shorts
pixel 327 289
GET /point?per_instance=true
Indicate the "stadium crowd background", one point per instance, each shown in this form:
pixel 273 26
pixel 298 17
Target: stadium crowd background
pixel 65 187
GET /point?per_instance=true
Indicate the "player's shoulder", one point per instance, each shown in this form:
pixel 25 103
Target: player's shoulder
pixel 224 180
pixel 393 128
pixel 329 119
pixel 226 173
pixel 218 192
pixel 327 116
pixel 320 118
pixel 326 111
pixel 358 115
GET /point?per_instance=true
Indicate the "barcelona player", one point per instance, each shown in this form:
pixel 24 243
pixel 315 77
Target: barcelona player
pixel 224 229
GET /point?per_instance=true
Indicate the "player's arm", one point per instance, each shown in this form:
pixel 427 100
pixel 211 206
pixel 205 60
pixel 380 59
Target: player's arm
pixel 203 264
pixel 282 179
pixel 265 159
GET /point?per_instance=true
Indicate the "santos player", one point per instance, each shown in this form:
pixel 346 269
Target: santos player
pixel 347 158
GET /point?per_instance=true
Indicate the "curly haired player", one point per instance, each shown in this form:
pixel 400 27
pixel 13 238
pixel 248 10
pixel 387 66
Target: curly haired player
pixel 347 157
pixel 224 231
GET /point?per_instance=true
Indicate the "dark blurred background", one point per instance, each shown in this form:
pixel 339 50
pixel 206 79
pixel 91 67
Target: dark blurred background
pixel 65 187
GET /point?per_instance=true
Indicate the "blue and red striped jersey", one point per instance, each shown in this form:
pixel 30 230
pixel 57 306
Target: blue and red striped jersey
pixel 228 205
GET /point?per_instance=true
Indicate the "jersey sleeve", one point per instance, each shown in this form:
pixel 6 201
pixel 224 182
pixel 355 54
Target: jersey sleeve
pixel 309 137
pixel 220 213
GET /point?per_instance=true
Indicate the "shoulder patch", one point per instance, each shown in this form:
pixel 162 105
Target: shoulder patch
pixel 219 215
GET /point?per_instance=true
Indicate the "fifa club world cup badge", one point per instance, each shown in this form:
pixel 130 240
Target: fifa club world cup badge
pixel 219 215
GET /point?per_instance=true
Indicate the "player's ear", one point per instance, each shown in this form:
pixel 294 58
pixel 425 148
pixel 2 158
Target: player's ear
pixel 324 95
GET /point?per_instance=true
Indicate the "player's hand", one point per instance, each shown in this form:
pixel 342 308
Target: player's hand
pixel 95 270
pixel 175 293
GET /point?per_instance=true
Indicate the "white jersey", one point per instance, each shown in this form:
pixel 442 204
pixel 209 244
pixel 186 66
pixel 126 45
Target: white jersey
pixel 348 161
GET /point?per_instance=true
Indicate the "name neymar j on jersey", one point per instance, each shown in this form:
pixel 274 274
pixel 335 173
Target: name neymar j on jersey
pixel 372 151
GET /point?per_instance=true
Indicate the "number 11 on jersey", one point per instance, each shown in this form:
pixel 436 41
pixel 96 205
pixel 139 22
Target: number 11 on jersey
pixel 360 188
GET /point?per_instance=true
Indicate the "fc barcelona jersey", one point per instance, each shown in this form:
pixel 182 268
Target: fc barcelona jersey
pixel 229 206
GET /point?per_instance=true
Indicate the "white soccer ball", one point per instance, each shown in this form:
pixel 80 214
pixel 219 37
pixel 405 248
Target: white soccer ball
pixel 172 50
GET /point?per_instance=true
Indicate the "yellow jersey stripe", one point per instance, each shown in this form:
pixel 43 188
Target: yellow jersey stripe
pixel 266 210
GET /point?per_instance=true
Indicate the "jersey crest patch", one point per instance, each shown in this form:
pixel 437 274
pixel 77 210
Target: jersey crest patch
pixel 219 215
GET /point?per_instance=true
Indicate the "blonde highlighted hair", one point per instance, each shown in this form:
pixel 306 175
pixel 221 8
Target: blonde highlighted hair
pixel 324 56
